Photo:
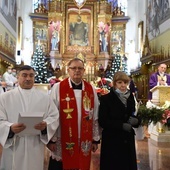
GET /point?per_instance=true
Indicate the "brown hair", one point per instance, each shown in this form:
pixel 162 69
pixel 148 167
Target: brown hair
pixel 25 67
pixel 74 59
pixel 120 76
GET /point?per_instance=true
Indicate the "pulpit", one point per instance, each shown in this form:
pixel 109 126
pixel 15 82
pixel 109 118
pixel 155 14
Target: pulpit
pixel 159 132
pixel 160 94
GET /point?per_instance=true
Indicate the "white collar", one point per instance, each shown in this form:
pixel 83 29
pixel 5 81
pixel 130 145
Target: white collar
pixel 69 81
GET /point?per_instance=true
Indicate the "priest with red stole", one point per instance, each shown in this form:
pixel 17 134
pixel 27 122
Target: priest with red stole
pixel 78 133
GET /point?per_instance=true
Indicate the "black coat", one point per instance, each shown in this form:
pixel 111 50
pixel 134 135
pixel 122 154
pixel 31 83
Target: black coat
pixel 132 87
pixel 118 146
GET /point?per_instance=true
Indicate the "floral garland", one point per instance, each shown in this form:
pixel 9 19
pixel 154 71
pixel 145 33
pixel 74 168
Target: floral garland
pixel 153 113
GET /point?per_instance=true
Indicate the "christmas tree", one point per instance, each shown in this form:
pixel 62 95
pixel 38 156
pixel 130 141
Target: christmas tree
pixel 119 63
pixel 115 66
pixel 39 65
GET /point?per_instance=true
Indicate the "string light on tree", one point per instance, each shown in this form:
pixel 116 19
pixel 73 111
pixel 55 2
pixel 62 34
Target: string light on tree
pixel 39 65
pixel 119 63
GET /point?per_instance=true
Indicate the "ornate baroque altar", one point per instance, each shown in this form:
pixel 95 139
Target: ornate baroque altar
pixel 88 29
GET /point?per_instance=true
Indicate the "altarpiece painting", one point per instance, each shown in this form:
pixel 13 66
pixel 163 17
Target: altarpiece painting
pixel 79 24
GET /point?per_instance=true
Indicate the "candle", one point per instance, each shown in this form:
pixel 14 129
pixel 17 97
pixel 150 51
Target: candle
pixel 38 42
pixel 119 42
pixel 92 70
pixel 1 38
pixel 66 70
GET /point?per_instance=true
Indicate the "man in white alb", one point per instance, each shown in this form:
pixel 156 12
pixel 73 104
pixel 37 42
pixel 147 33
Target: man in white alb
pixel 10 80
pixel 23 151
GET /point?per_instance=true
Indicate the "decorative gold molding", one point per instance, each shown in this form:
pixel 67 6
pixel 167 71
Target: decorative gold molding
pixel 54 14
pixel 79 11
pixel 109 16
pixel 80 56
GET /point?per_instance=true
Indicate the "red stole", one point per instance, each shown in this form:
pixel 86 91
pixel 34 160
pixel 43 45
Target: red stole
pixel 76 154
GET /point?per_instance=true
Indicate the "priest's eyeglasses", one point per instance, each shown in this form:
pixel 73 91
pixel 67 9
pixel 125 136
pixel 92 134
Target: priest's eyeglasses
pixel 77 68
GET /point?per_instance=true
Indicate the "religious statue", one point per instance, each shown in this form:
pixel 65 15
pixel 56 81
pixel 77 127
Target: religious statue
pixel 55 39
pixel 54 28
pixel 118 12
pixel 41 9
pixel 103 31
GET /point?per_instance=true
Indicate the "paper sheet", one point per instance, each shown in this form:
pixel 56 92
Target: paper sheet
pixel 30 120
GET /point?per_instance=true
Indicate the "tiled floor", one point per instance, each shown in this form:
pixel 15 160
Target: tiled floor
pixel 150 156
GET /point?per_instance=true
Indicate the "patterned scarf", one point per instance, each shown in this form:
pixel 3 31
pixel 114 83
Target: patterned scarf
pixel 122 96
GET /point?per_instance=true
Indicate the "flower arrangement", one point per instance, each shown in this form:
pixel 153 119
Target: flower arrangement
pixel 103 86
pixel 53 80
pixel 102 91
pixel 166 117
pixel 152 113
pixel 104 83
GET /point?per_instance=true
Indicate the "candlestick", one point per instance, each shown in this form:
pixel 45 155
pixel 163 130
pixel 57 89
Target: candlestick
pixel 1 38
pixel 66 69
pixel 38 42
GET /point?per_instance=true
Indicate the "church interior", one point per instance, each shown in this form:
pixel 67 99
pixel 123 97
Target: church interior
pixel 109 36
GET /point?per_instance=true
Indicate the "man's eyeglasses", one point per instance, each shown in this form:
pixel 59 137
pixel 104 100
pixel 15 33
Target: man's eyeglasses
pixel 77 68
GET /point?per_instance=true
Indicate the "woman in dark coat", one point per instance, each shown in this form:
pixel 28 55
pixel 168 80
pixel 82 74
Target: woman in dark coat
pixel 117 119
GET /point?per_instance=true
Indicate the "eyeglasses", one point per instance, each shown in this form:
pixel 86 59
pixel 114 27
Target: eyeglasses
pixel 77 68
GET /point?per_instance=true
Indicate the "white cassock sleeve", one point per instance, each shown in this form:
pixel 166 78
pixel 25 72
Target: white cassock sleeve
pixel 51 117
pixel 4 127
pixel 96 128
pixel 96 104
pixel 55 98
